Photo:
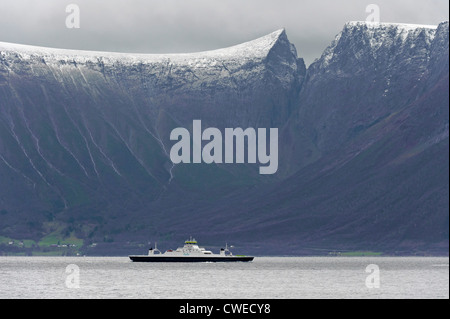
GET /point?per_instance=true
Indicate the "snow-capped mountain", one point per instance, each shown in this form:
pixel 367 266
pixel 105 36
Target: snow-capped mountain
pixel 372 70
pixel 84 142
pixel 370 141
pixel 86 134
pixel 240 68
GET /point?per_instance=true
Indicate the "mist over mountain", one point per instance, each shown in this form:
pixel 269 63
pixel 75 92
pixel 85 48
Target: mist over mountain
pixel 363 163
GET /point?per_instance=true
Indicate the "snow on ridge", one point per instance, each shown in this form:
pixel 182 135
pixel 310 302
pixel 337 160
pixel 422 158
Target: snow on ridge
pixel 379 34
pixel 405 26
pixel 252 50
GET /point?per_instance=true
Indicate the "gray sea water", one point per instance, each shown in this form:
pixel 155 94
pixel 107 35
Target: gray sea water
pixel 264 278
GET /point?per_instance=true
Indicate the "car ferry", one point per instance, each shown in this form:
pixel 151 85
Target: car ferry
pixel 190 252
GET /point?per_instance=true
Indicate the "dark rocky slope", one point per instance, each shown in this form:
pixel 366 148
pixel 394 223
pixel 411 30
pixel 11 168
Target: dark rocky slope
pixel 84 141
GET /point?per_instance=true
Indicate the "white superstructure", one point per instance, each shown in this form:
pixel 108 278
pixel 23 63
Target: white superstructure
pixel 190 252
pixel 190 248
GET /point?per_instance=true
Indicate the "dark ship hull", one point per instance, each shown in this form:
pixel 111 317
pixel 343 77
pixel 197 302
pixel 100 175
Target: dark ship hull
pixel 185 259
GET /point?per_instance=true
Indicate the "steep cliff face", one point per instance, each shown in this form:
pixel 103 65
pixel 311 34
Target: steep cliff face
pixel 89 132
pixel 369 72
pixel 372 79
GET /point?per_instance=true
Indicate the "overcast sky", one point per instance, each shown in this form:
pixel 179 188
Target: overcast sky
pixel 173 26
